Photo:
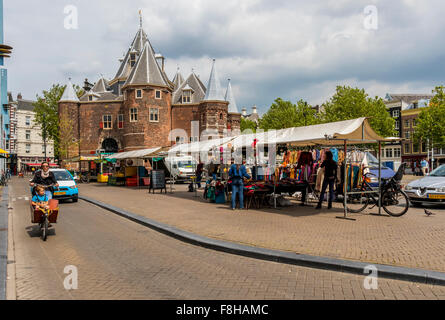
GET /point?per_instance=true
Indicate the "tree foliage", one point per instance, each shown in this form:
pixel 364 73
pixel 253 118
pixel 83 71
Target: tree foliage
pixel 284 114
pixel 351 103
pixel 47 115
pixel 247 124
pixel 430 125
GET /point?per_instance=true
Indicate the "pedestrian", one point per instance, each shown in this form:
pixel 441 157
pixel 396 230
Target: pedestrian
pixel 215 171
pixel 330 174
pixel 424 165
pixel 237 172
pixel 199 171
pixel 417 168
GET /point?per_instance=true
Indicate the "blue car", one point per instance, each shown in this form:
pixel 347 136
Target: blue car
pixel 373 164
pixel 67 185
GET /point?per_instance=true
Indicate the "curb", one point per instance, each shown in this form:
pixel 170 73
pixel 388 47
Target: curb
pixel 3 241
pixel 355 267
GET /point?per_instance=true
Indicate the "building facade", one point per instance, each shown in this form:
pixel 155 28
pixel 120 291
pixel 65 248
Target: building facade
pixel 404 108
pixel 141 108
pixel 26 144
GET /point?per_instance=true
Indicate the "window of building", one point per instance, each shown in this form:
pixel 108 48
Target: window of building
pixel 158 94
pixel 415 148
pixel 133 114
pixel 407 148
pixel 154 115
pixel 187 96
pixel 193 139
pixel 220 116
pixel 7 145
pixel 180 140
pixel 107 124
pixel 397 152
pixel 407 134
pixel 415 105
pixel 139 94
pixel 406 123
pixel 28 120
pixel 414 123
pixel 132 59
pixel 121 121
pixel 90 97
pixel 396 113
pixel 28 134
pixel 424 150
pixel 43 148
pixel 388 153
pixel 28 148
pixel 396 125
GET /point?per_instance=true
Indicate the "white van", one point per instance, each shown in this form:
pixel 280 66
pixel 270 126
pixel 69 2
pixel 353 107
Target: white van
pixel 182 167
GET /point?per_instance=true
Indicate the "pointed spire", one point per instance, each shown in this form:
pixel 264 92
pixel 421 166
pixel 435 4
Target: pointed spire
pixel 178 79
pixel 146 70
pixel 214 91
pixel 69 94
pixel 231 99
pixel 100 86
pixel 140 18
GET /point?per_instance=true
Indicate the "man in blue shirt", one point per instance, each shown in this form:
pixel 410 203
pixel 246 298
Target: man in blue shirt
pixel 424 165
pixel 237 172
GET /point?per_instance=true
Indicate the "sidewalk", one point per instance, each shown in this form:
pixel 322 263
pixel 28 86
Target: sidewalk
pixel 413 240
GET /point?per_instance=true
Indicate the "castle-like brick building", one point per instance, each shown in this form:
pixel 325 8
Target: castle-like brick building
pixel 141 108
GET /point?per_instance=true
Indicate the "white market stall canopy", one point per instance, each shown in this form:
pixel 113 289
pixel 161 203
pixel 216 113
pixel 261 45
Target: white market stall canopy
pixel 334 133
pixel 136 154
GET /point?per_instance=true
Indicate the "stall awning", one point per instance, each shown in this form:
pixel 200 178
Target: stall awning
pixel 39 164
pixel 356 131
pixel 136 154
pixel 205 145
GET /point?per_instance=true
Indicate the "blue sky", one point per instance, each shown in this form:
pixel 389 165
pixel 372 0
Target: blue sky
pixel 288 49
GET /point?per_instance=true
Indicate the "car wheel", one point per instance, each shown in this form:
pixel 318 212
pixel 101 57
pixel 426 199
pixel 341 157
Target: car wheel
pixel 75 199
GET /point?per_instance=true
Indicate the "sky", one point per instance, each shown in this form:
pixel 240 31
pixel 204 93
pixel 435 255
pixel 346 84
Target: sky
pixel 284 48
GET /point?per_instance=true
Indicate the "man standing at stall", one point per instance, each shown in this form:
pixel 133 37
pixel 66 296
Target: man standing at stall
pixel 236 173
pixel 330 174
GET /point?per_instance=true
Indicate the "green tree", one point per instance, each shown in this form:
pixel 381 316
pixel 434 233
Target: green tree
pixel 247 124
pixel 351 103
pixel 430 125
pixel 47 115
pixel 284 114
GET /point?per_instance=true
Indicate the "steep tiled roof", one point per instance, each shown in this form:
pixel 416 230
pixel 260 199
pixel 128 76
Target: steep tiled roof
pixel 136 47
pixel 195 84
pixel 214 91
pixel 177 80
pixel 25 105
pixel 100 86
pixel 147 70
pixel 231 98
pixel 408 98
pixel 69 94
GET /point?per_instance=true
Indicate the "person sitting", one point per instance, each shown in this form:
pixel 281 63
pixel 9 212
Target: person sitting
pixel 40 200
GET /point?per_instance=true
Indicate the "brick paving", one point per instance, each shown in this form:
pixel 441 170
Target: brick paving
pixel 119 259
pixel 413 240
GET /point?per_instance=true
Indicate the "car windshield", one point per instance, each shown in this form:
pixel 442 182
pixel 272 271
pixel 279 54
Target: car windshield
pixel 438 172
pixel 62 176
pixel 373 162
pixel 185 164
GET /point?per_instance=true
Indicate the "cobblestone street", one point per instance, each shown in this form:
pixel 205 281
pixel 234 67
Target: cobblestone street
pixel 119 259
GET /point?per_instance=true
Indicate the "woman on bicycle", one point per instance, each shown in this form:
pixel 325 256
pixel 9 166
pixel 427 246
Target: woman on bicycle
pixel 45 178
pixel 330 174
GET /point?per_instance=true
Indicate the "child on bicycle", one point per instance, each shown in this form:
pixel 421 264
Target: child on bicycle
pixel 40 200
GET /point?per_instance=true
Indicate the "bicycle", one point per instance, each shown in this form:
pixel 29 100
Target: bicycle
pixel 3 180
pixel 394 200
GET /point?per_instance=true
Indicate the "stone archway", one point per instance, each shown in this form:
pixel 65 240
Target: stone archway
pixel 110 145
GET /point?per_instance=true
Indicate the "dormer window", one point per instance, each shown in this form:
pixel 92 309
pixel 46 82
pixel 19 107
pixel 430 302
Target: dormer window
pixel 187 96
pixel 90 97
pixel 132 59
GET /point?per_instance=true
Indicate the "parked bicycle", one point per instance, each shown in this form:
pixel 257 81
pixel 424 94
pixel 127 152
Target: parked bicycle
pixel 394 200
pixel 83 177
pixel 3 180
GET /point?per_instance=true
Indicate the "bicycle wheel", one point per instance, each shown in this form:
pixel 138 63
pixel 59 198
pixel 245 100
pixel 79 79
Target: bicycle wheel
pixel 395 202
pixel 356 202
pixel 45 229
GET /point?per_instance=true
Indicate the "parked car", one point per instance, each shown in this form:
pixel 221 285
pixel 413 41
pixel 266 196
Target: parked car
pixel 67 185
pixel 182 168
pixel 428 190
pixel 373 164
